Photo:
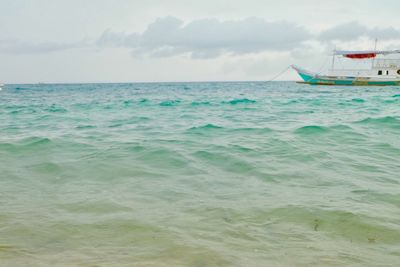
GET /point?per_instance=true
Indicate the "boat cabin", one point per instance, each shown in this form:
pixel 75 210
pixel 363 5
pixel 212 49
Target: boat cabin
pixel 372 63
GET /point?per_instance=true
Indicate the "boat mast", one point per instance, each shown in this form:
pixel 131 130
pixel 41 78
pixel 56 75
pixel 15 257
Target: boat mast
pixel 373 59
pixel 333 58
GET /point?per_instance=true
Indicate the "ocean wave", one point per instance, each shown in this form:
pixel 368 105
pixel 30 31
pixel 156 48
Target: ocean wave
pixel 82 127
pixel 358 100
pixel 318 129
pixel 240 101
pixel 23 111
pixel 169 103
pixel 388 148
pixel 211 128
pixel 311 129
pixel 293 101
pixel 131 102
pixel 387 121
pixel 242 149
pixel 225 161
pixel 25 144
pixel 390 101
pixel 128 121
pixel 46 167
pixel 200 103
pixel 34 145
pixel 55 109
pixel 127 103
pixel 205 127
pixel 21 88
pixel 137 148
pixel 86 106
pixel 250 130
pixel 116 125
pixel 162 157
pixel 35 141
pixel 341 127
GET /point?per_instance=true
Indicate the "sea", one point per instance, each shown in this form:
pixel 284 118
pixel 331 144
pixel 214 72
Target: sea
pixel 200 174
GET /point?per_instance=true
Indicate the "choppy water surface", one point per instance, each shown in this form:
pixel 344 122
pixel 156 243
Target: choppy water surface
pixel 199 174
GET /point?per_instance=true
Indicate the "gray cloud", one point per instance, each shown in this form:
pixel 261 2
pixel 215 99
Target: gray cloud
pixel 208 38
pixel 353 30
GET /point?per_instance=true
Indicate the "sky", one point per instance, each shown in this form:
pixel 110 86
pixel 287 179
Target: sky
pixel 183 40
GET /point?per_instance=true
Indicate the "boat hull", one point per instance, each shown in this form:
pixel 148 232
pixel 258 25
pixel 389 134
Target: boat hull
pixel 315 79
pixel 351 83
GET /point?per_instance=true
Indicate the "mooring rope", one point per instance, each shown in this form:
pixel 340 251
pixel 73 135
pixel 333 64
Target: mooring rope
pixel 280 73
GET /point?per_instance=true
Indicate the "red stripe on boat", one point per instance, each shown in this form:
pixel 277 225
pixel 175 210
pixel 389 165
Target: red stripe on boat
pixel 366 55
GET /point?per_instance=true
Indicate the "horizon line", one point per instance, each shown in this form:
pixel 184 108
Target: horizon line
pixel 138 82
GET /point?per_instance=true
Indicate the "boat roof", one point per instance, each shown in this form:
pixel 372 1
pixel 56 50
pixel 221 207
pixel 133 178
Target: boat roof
pixel 360 54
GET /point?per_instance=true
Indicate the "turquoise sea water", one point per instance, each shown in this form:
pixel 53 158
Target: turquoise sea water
pixel 199 174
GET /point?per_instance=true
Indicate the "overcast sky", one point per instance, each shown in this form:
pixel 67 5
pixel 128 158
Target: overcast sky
pixel 183 40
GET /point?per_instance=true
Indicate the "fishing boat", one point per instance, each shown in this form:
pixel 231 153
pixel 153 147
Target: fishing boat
pixel 382 69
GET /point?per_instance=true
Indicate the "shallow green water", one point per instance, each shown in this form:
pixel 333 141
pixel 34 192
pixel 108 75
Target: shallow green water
pixel 199 174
